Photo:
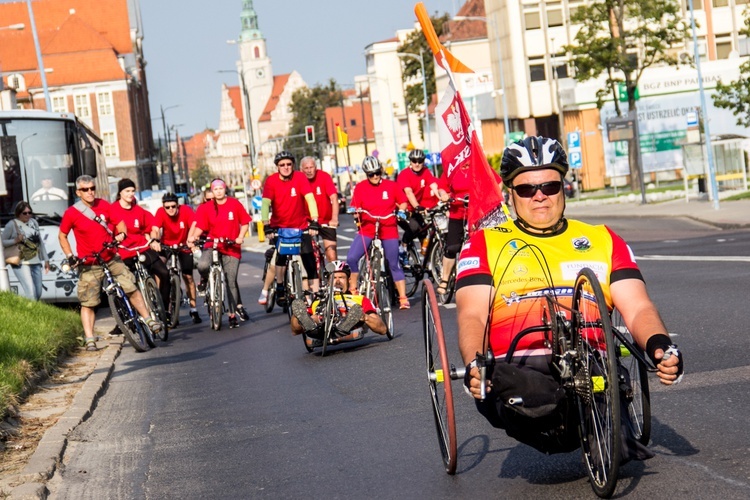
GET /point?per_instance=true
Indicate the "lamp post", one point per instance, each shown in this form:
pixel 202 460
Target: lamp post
pixel 390 111
pixel 170 165
pixel 248 131
pixel 420 58
pixel 40 63
pixel 496 32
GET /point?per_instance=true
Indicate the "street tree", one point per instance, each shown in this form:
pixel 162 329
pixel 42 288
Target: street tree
pixel 621 39
pixel 309 108
pixel 735 96
pixel 202 175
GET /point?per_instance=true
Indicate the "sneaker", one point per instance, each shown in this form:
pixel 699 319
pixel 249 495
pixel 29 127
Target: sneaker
pixel 354 316
pixel 242 313
pixel 233 323
pixel 201 288
pixel 155 326
pixel 403 303
pixel 299 311
pixel 263 299
pixel 196 317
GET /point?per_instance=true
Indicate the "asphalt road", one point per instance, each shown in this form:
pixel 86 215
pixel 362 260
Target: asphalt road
pixel 249 413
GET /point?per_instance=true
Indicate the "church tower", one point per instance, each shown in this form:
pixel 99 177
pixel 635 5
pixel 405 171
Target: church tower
pixel 255 65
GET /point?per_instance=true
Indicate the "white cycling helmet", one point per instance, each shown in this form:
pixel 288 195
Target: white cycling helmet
pixel 371 164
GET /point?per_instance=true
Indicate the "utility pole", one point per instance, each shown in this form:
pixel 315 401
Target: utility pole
pixel 364 125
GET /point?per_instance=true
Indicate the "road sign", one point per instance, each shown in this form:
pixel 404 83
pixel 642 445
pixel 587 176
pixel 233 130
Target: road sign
pixel 435 158
pixel 575 160
pixel 692 119
pixel 255 184
pixel 574 141
pixel 257 202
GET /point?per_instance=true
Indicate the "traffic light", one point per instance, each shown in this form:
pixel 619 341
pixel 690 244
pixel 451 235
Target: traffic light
pixel 309 134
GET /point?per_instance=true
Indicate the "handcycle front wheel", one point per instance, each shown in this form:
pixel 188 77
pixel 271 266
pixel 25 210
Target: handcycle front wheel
pixel 438 378
pixel 597 390
pixel 384 304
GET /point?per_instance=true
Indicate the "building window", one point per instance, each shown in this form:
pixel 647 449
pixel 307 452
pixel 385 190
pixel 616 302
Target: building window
pixel 257 52
pixel 741 2
pixel 723 48
pixel 109 140
pixel 352 123
pixel 554 17
pixel 104 99
pixel 561 68
pixel 82 109
pixel 59 104
pixel 532 21
pixel 697 5
pixel 721 3
pixel 537 73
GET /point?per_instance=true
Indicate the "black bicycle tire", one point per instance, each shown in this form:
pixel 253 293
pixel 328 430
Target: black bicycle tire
pixel 383 296
pixel 271 298
pixel 175 299
pixel 329 318
pixel 594 395
pixel 216 301
pixel 436 261
pixel 298 291
pixel 122 317
pixel 415 271
pixel 156 307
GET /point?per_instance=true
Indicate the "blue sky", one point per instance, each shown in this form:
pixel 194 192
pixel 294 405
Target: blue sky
pixel 185 45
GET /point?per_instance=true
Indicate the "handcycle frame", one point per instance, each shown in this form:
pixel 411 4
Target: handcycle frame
pixel 151 295
pixel 375 281
pixel 591 375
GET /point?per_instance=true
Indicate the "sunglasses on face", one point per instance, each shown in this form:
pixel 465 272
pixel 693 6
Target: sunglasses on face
pixel 529 190
pixel 28 212
pixel 170 207
pixel 418 161
pixel 374 174
pixel 286 164
pixel 86 190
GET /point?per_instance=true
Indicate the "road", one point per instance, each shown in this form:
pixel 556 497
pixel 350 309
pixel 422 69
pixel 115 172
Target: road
pixel 249 413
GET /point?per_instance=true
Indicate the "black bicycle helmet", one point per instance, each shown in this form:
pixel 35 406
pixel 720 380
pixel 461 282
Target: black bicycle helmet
pixel 169 197
pixel 371 164
pixel 283 155
pixel 532 153
pixel 416 155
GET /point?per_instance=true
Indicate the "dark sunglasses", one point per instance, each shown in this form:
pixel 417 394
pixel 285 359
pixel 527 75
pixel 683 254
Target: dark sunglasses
pixel 27 213
pixel 374 174
pixel 86 190
pixel 529 190
pixel 418 161
pixel 169 207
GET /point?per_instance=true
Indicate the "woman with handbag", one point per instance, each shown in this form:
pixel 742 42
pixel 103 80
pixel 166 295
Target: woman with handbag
pixel 24 250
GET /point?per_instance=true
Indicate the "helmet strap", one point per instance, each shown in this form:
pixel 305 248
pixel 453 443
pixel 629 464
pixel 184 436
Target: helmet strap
pixel 554 228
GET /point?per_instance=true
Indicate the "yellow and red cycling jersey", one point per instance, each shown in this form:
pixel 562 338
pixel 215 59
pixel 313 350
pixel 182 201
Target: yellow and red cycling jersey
pixel 364 302
pixel 523 267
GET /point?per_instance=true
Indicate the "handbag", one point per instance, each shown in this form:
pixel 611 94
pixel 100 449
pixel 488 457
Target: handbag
pixel 289 241
pixel 13 253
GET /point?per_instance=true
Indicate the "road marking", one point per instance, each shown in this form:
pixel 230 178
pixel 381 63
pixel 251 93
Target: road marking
pixel 695 258
pixel 345 238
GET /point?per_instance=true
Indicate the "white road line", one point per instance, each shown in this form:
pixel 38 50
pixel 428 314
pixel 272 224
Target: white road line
pixel 695 258
pixel 342 237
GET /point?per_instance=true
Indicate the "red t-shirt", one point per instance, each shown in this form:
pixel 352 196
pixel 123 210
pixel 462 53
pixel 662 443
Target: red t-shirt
pixel 381 199
pixel 89 234
pixel 458 189
pixel 139 223
pixel 175 229
pixel 420 185
pixel 223 221
pixel 288 205
pixel 322 188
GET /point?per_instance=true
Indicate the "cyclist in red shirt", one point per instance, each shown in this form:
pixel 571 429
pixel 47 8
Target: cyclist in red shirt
pixel 142 229
pixel 223 217
pixel 380 197
pixel 175 221
pixel 289 199
pixel 421 190
pixel 88 219
pixel 327 200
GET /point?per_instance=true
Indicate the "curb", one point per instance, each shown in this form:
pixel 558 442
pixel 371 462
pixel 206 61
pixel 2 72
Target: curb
pixel 49 452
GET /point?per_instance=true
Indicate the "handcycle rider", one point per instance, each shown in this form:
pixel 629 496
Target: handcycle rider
pixel 498 291
pixel 357 311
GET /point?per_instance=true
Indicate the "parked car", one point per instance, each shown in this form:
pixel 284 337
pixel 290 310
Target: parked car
pixel 569 188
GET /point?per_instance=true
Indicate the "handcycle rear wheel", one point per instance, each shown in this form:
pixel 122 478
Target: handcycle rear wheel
pixel 438 378
pixel 633 381
pixel 128 324
pixel 175 300
pixel 156 307
pixel 596 384
pixel 215 298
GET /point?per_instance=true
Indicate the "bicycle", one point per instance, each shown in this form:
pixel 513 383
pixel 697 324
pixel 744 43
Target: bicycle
pixel 292 283
pixel 176 297
pixel 130 323
pixel 217 295
pixel 438 253
pixel 589 359
pixel 419 260
pixel 375 281
pixel 150 291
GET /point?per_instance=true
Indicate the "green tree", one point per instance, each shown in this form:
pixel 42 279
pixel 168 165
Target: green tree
pixel 735 95
pixel 621 38
pixel 202 175
pixel 309 108
pixel 412 72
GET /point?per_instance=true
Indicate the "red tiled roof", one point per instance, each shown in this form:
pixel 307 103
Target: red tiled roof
pixel 352 112
pixel 78 67
pixel 236 98
pixel 457 31
pixel 279 83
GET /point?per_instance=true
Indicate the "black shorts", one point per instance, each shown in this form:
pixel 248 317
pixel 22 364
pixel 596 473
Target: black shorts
pixel 328 233
pixel 454 238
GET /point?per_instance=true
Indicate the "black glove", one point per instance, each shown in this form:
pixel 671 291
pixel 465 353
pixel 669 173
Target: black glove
pixel 419 209
pixel 313 226
pixel 269 231
pixel 663 342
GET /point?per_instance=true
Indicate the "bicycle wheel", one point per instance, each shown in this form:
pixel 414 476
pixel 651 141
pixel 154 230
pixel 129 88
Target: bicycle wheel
pixel 127 320
pixel 175 300
pixel 330 318
pixel 412 270
pixel 438 378
pixel 271 298
pixel 297 291
pixel 633 381
pixel 156 307
pixel 216 299
pixel 436 261
pixel 596 384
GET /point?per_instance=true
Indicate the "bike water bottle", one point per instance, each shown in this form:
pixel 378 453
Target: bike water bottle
pixel 425 244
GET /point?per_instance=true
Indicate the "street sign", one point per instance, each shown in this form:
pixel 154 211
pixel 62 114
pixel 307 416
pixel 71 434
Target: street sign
pixel 515 136
pixel 692 119
pixel 620 129
pixel 574 140
pixel 575 160
pixel 257 202
pixel 255 184
pixel 435 158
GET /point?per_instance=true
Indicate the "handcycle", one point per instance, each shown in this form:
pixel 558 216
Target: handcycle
pixel 597 365
pixel 130 323
pixel 375 281
pixel 176 297
pixel 150 291
pixel 217 294
pixel 419 260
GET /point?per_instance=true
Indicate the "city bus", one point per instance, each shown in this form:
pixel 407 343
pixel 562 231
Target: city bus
pixel 42 155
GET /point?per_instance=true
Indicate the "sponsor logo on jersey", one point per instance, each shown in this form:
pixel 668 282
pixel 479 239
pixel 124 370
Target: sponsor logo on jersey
pixel 182 225
pixel 467 263
pixel 294 192
pixel 520 270
pixel 570 269
pixel 582 244
pixel 137 223
pixel 421 183
pixel 514 298
pixel 317 190
pixel 385 195
pixel 231 216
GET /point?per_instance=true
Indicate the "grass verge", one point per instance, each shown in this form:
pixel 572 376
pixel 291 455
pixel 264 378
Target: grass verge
pixel 32 337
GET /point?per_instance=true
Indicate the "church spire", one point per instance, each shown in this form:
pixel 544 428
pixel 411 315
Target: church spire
pixel 250 30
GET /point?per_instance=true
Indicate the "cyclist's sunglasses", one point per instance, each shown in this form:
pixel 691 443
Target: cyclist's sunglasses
pixel 374 174
pixel 87 189
pixel 169 207
pixel 418 161
pixel 529 190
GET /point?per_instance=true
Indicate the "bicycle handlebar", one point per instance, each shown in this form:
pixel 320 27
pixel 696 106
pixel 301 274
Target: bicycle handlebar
pixel 356 211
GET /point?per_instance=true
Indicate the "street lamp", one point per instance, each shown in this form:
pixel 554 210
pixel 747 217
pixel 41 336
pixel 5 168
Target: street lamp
pixel 424 90
pixel 170 165
pixel 495 31
pixel 39 61
pixel 390 107
pixel 248 131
